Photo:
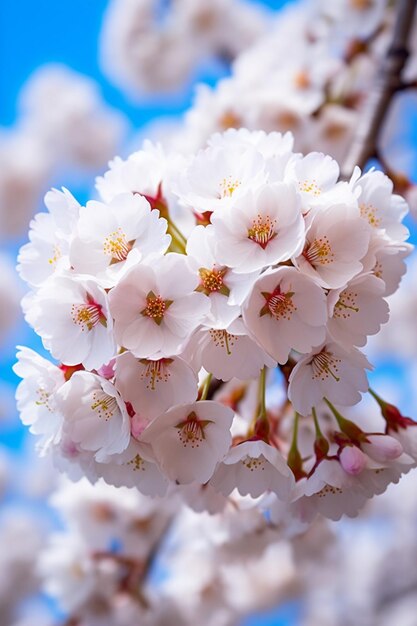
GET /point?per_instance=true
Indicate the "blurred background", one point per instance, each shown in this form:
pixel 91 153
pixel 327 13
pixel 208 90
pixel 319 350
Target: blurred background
pixel 75 92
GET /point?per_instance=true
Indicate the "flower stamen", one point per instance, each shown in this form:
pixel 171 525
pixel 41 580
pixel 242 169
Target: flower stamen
pixel 155 307
pixel 212 281
pixel 191 430
pixel 324 364
pixel 263 230
pixel 319 252
pixel 88 315
pixel 104 405
pixel 278 304
pixel 117 246
pixel 156 372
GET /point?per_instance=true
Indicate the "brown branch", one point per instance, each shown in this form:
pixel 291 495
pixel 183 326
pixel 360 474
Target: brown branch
pixel 388 83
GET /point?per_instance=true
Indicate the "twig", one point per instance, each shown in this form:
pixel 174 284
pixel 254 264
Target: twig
pixel 388 83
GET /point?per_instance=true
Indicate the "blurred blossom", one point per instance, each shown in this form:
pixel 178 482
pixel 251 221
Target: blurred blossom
pixel 10 295
pixel 63 125
pixel 146 47
pixel 65 109
pixel 21 538
pixel 25 166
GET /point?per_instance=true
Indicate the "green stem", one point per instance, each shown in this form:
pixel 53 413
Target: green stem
pixel 262 393
pixel 339 417
pixel 347 427
pixel 377 398
pixel 205 387
pixel 294 447
pixel 179 243
pixel 319 434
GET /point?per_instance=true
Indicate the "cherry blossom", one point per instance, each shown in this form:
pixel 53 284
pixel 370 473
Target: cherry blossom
pixel 331 372
pixel 227 352
pixel 253 467
pixel 153 386
pixel 382 209
pixel 141 173
pixel 226 288
pixel 135 467
pixel 286 310
pixel 77 328
pixel 336 241
pixel 190 439
pixel 262 228
pixel 215 177
pixel 35 394
pixel 357 311
pixel 155 307
pixel 95 415
pixel 47 251
pixel 113 237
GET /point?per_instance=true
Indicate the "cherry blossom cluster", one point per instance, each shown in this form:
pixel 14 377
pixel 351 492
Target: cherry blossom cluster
pixel 147 47
pixel 206 317
pixel 320 91
pixel 62 125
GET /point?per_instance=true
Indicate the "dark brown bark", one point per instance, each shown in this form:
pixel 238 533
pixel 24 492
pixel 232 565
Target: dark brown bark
pixel 388 82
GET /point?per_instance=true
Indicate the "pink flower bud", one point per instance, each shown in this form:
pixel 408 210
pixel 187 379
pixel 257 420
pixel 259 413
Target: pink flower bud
pixel 382 448
pixel 107 371
pixel 353 460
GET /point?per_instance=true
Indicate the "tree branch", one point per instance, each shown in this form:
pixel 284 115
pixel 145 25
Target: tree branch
pixel 388 83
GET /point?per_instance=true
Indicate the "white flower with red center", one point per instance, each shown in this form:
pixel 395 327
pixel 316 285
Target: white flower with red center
pixel 261 228
pixel 135 467
pixel 357 311
pixel 286 311
pixel 314 175
pixel 112 237
pixel 155 308
pixel 72 316
pixel 253 468
pixel 382 209
pixel 189 440
pixel 331 372
pixel 336 240
pixel 226 288
pixel 35 394
pixel 153 386
pixel 227 352
pixel 216 177
pixel 330 491
pixel 95 415
pixel 142 173
pixel 49 235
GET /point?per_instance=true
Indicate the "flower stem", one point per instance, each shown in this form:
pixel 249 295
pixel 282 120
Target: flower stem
pixel 316 423
pixel 377 398
pixel 179 243
pixel 205 387
pixel 262 393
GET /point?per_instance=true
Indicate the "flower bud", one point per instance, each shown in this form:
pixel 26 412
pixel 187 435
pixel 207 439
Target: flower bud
pixel 353 460
pixel 382 448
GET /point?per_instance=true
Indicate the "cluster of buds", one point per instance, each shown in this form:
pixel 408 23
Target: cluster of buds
pixel 246 264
